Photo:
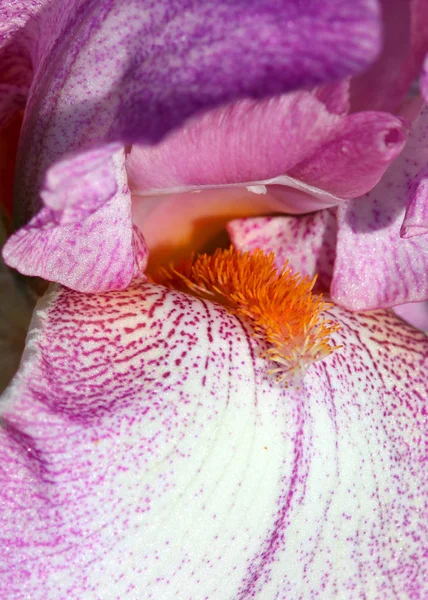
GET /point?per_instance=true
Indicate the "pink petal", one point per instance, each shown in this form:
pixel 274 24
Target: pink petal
pixel 353 161
pixel 146 453
pixel 253 142
pixel 307 242
pixel 18 41
pixel 84 236
pixel 375 267
pixel 415 313
pixel 244 142
pixel 334 96
pixel 416 218
pixel 384 85
pixel 327 157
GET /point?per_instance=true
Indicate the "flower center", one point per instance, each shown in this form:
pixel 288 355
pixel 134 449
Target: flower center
pixel 177 224
pixel 281 309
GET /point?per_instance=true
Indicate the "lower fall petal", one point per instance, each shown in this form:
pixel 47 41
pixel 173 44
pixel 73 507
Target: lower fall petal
pixel 145 450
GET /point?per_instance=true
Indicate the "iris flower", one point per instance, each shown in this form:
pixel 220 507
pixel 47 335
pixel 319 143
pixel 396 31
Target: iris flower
pixel 226 426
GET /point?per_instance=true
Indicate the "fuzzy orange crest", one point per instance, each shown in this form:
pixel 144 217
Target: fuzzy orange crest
pixel 284 313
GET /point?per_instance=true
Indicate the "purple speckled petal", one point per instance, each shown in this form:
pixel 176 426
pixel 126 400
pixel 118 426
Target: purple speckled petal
pixel 145 452
pixel 375 267
pixel 307 242
pixel 95 171
pixel 107 70
pixel 88 245
pixel 18 43
pixel 416 218
pixel 147 65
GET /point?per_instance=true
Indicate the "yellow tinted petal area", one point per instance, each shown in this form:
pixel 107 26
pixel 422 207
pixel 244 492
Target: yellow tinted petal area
pixel 280 306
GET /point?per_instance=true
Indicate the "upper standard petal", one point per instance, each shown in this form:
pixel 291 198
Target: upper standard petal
pixel 107 71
